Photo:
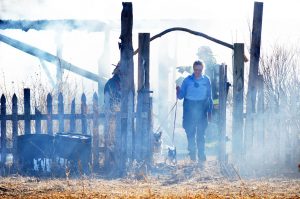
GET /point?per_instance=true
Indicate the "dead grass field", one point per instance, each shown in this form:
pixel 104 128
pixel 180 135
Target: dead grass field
pixel 183 181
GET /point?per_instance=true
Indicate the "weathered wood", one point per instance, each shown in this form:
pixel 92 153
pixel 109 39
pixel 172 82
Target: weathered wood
pixel 222 112
pixel 107 129
pixel 143 92
pixel 130 127
pixel 49 115
pixel 84 113
pixel 127 74
pixel 238 97
pixel 253 74
pixel 15 128
pixel 27 110
pixel 72 119
pixel 38 126
pixel 59 24
pixel 149 158
pixel 95 151
pixel 61 122
pixel 3 130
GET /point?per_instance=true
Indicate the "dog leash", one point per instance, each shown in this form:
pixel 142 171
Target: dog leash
pixel 174 125
pixel 175 105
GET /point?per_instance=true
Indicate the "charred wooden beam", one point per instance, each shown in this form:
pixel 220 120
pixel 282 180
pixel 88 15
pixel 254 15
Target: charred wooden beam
pixel 238 102
pixel 50 58
pixel 64 24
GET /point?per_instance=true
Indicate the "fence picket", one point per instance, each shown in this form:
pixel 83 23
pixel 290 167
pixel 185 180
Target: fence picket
pixel 49 115
pixel 72 117
pixel 60 113
pixel 38 126
pixel 27 110
pixel 15 127
pixel 3 129
pixel 95 132
pixel 83 113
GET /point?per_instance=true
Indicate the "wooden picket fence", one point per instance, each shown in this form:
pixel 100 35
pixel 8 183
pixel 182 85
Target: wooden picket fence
pixel 49 117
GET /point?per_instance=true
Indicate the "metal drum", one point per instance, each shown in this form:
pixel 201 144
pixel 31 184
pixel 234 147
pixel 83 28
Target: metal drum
pixel 34 146
pixel 76 148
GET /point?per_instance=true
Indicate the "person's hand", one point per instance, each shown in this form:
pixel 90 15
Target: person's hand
pixel 209 117
pixel 177 90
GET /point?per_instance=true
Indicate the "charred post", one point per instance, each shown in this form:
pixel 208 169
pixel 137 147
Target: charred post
pixel 142 133
pixel 238 97
pixel 253 74
pixel 127 82
pixel 222 111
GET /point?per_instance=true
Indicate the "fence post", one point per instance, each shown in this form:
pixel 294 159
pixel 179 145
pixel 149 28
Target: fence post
pixel 3 130
pixel 238 98
pixel 15 129
pixel 83 114
pixel 72 117
pixel 253 78
pixel 222 112
pixel 143 134
pixel 27 110
pixel 49 115
pixel 95 132
pixel 60 113
pixel 38 127
pixel 127 77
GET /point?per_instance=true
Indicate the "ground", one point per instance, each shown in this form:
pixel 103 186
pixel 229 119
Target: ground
pixel 186 180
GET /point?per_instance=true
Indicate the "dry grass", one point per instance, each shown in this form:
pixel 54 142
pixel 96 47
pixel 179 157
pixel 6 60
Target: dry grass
pixel 182 181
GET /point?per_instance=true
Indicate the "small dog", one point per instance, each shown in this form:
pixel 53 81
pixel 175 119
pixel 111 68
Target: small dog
pixel 157 142
pixel 171 158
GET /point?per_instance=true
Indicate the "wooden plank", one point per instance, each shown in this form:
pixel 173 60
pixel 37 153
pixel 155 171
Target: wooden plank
pixel 95 151
pixel 238 97
pixel 72 117
pixel 15 129
pixel 60 113
pixel 222 112
pixel 253 74
pixel 3 130
pixel 83 113
pixel 49 115
pixel 27 110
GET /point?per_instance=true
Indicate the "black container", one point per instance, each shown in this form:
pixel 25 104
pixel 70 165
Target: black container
pixel 34 146
pixel 76 148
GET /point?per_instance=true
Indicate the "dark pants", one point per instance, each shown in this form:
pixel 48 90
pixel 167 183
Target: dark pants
pixel 195 123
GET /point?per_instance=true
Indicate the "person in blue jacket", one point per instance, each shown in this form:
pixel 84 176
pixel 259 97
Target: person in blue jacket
pixel 197 107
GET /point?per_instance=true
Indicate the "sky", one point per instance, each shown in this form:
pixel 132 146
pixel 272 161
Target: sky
pixel 227 20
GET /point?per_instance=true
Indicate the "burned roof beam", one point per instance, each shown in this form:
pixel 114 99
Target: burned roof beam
pixel 50 58
pixel 63 24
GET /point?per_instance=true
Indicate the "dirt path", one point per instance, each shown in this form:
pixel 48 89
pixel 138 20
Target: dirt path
pixel 182 181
